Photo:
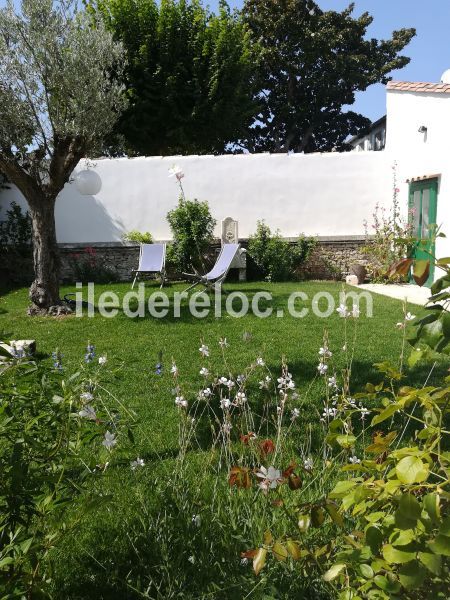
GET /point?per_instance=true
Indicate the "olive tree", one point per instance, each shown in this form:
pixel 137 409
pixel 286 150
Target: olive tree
pixel 60 94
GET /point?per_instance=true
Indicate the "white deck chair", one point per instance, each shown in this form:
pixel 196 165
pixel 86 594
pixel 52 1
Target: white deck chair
pixel 218 273
pixel 152 259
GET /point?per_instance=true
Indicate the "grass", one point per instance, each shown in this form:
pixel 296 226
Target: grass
pixel 97 560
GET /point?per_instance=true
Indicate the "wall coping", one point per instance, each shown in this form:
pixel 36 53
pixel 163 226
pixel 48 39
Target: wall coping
pixel 320 239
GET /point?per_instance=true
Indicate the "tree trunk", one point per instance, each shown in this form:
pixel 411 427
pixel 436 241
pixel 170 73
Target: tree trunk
pixel 44 291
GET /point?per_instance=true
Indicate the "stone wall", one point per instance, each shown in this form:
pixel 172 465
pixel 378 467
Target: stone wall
pixel 331 259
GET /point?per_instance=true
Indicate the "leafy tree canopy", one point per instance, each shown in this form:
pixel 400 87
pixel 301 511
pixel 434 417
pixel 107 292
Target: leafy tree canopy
pixel 312 64
pixel 190 80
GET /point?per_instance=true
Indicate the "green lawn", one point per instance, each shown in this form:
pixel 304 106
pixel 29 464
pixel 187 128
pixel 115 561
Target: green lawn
pixel 98 556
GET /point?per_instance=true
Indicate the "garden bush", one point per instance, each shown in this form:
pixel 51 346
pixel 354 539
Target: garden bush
pixel 138 236
pixel 15 245
pixel 192 228
pixel 57 428
pixel 388 239
pixel 276 258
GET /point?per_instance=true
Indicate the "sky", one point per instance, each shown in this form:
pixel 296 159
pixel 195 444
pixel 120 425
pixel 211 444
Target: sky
pixel 429 50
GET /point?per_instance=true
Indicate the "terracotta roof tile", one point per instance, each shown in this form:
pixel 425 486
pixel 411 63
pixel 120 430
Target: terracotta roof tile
pixel 411 86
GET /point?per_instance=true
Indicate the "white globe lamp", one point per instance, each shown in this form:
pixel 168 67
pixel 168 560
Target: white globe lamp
pixel 88 182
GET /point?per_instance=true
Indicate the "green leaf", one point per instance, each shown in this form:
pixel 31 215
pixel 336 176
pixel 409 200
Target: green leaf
pixel 341 488
pixel 366 571
pixel 412 575
pixel 374 539
pixel 433 562
pixel 402 537
pixel 440 545
pixel 387 585
pixel 412 470
pixel 346 441
pixel 335 515
pixel 444 529
pixel 333 572
pixel 394 555
pixel 385 414
pixel 431 504
pixel 279 551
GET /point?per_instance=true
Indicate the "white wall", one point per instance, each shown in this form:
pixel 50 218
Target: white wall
pixel 316 194
pixel 418 156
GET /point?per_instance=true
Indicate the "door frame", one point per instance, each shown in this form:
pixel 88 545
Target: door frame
pixel 431 184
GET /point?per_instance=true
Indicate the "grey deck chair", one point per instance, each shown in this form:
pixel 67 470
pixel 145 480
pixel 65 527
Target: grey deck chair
pixel 152 259
pixel 218 273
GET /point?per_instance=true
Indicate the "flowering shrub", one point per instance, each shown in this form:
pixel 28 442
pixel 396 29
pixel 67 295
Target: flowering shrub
pixel 391 241
pixel 192 229
pixel 57 430
pixel 88 267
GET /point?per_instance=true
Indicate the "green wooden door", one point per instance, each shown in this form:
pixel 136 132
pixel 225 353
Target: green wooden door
pixel 422 214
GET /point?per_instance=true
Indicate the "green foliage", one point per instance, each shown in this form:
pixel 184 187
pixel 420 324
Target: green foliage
pixel 15 231
pixel 192 228
pixel 312 64
pixel 276 258
pixel 388 241
pixel 138 236
pixel 190 79
pixel 51 427
pixel 55 85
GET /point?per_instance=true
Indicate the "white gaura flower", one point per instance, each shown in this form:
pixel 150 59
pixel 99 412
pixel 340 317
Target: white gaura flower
pixel 344 348
pixel 295 414
pixel 223 343
pixel 279 410
pixel 86 397
pixel 240 398
pixel 409 317
pixel 322 368
pixel 88 412
pixel 400 325
pixel 230 384
pixel 109 441
pixel 332 382
pixel 364 412
pixel 227 427
pixel 264 383
pixel 204 372
pixel 270 478
pixel 225 403
pixel 223 380
pixel 355 311
pixel 342 310
pixel 174 369
pixel 325 352
pixel 191 559
pixel 308 463
pixel 240 379
pixel 329 412
pixel 354 460
pixel 244 561
pixel 196 520
pixel 176 171
pixel 102 360
pixel 260 362
pixel 206 393
pixel 180 401
pixel 204 350
pixel 136 464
